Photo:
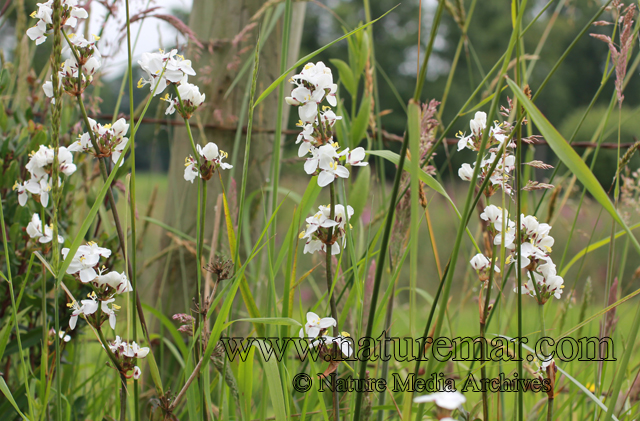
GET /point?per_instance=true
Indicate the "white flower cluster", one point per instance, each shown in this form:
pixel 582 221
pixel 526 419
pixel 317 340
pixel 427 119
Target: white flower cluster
pixel 68 18
pixel 318 226
pixel 85 262
pixel 126 354
pixel 210 160
pixel 110 139
pixel 40 166
pixel 313 85
pixel 90 307
pixel 89 59
pixel 83 265
pixel 34 230
pixel 163 69
pixel 500 178
pixel 535 247
pixel 315 329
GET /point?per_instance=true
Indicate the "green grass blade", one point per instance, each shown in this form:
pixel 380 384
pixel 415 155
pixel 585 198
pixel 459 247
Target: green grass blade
pixel 275 387
pixel 7 393
pixel 570 158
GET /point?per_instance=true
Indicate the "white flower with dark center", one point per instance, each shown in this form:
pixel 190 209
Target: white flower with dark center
pixel 315 325
pixel 115 280
pixel 110 311
pixel 355 158
pixel 88 307
pixel 478 123
pixel 444 400
pixel 191 169
pixel 21 189
pixel 330 172
pixel 38 187
pixel 493 214
pixel 529 224
pixel 69 18
pixel 465 172
pixel 464 141
pixel 153 64
pixel 85 260
pixel 329 117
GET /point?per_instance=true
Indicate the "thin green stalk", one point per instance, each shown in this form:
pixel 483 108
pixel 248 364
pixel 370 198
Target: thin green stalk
pixel 277 139
pixel 55 139
pixel 391 212
pixel 133 274
pixel 247 150
pixel 330 292
pixel 9 279
pixel 483 324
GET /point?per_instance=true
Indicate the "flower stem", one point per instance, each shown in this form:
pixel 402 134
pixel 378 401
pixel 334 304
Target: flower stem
pixel 332 297
pixel 123 379
pixel 483 325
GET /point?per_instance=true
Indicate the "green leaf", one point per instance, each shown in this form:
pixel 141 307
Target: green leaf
pixel 308 57
pixel 360 192
pixel 281 321
pixel 346 76
pixel 7 393
pixel 4 79
pixel 592 247
pixel 275 386
pixel 361 122
pixel 363 54
pixel 570 158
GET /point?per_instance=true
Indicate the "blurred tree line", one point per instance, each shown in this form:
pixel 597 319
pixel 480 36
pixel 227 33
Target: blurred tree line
pixel 563 100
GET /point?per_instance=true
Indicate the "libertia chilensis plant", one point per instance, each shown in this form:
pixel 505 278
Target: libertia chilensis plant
pixel 76 271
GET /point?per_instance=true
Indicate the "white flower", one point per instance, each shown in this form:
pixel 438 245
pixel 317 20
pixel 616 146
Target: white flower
pixel 64 336
pixel 530 252
pixel 21 189
pixel 190 170
pixel 110 311
pixel 312 246
pixel 356 157
pixel 88 307
pixel 115 280
pixel 315 324
pixel 84 261
pixel 137 372
pixel 479 262
pixel 444 400
pixel 39 187
pixel 314 82
pixel 465 172
pixel 325 157
pixel 478 123
pixel 70 16
pixel 34 228
pixel 330 172
pixel 492 214
pixel 529 224
pixel 37 33
pixel 343 343
pixel 209 152
pixel 464 142
pixel 305 137
pixel 329 117
pixel 320 219
pixel 177 68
